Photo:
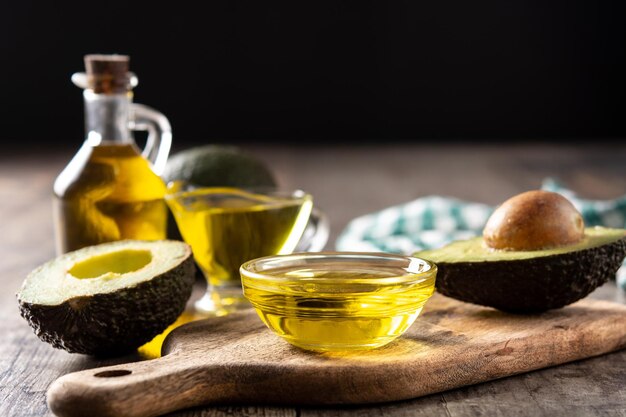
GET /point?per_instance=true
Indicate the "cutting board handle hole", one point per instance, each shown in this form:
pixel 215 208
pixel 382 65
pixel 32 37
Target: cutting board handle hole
pixel 112 374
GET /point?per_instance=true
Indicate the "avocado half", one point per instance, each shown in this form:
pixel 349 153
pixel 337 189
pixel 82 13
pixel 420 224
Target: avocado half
pixel 108 299
pixel 528 281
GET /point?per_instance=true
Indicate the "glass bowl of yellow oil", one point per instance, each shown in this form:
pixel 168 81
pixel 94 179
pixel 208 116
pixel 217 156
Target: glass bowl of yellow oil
pixel 338 301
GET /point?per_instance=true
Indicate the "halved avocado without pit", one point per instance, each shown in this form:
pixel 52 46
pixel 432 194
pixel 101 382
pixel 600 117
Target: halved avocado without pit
pixel 108 299
pixel 528 281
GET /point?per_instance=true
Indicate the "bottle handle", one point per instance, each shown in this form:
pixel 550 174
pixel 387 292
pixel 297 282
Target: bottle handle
pixel 315 234
pixel 159 140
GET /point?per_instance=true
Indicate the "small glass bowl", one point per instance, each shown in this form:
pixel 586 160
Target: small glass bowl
pixel 337 301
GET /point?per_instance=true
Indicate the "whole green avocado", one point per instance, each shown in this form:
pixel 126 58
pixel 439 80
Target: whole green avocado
pixel 218 166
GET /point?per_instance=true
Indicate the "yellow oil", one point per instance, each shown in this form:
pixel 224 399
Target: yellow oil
pixel 227 227
pixel 338 315
pixel 152 349
pixel 106 193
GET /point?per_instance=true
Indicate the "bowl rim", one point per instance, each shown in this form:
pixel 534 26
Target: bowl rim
pixel 410 277
pixel 181 189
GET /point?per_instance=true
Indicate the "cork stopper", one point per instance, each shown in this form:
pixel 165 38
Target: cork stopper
pixel 108 74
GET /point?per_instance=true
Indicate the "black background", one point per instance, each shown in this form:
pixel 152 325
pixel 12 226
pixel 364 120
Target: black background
pixel 327 71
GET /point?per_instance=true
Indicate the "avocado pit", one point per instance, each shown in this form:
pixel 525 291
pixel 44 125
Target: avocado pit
pixel 534 220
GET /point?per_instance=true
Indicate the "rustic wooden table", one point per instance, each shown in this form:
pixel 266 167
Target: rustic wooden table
pixel 346 181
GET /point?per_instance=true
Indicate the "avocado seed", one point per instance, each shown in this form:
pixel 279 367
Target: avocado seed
pixel 534 220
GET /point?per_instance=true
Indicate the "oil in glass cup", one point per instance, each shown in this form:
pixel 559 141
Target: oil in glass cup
pixel 226 227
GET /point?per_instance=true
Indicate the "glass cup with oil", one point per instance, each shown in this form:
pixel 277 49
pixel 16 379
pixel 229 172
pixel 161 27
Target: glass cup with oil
pixel 226 227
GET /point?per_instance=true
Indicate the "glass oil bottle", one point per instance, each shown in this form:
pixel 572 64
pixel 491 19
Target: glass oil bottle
pixel 111 190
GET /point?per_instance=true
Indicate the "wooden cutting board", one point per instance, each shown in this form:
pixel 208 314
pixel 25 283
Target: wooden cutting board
pixel 236 359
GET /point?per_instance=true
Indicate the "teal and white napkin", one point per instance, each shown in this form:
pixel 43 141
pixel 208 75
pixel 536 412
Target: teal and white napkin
pixel 433 221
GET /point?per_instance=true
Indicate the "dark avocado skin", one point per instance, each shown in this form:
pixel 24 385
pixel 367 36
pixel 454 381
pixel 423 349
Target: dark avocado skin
pixel 218 166
pixel 112 324
pixel 531 285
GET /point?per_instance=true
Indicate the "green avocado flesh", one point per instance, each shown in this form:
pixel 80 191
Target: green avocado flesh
pixel 473 250
pixel 108 299
pixel 528 281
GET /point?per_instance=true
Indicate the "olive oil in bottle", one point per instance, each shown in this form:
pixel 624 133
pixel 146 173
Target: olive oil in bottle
pixel 110 191
pixel 107 193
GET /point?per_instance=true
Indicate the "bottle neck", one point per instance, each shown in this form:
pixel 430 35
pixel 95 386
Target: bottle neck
pixel 107 117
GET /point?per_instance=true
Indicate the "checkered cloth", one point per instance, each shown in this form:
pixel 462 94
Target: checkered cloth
pixel 433 221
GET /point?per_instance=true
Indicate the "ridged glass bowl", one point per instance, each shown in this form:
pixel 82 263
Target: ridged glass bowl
pixel 335 301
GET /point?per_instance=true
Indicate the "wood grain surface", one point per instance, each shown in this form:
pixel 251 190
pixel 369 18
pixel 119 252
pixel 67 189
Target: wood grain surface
pixel 346 181
pixel 237 360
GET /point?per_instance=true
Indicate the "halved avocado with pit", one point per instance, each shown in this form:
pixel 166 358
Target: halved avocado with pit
pixel 528 281
pixel 108 299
